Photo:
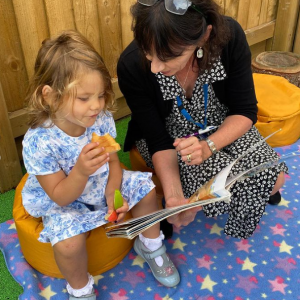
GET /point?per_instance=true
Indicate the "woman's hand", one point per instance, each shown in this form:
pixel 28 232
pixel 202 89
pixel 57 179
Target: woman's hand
pixel 88 162
pixel 192 151
pixel 184 218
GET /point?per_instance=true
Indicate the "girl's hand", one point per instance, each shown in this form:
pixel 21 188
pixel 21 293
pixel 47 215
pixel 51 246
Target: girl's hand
pixel 88 162
pixel 192 151
pixel 121 212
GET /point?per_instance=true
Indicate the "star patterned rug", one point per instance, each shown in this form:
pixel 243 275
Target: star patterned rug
pixel 212 265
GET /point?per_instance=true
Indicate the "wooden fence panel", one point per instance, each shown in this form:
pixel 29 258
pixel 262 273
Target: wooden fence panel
pixel 32 31
pixel 296 47
pixel 126 20
pixel 232 8
pixel 87 21
pixel 286 22
pixel 110 32
pixel 59 15
pixel 13 76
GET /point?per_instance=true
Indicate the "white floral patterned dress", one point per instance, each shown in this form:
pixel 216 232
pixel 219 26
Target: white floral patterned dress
pixel 49 150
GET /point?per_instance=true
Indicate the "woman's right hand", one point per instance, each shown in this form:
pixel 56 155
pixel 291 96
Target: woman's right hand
pixel 184 218
pixel 88 162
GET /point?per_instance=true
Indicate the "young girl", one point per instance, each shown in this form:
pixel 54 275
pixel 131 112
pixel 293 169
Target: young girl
pixel 69 186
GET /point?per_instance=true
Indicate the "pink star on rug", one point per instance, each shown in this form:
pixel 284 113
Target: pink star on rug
pixel 21 267
pixel 278 285
pixel 204 262
pixel 243 245
pixel 120 295
pixel 278 229
pixel 134 278
pixel 247 283
pixel 8 238
pixel 286 264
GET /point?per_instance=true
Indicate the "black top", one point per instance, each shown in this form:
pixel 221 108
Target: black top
pixel 142 92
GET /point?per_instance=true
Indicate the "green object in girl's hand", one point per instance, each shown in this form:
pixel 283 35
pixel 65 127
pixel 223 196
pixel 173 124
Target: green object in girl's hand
pixel 118 200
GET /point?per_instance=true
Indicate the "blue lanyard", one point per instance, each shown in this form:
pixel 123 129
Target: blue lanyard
pixel 188 116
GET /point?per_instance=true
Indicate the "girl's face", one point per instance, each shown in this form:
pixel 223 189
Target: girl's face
pixel 75 116
pixel 172 66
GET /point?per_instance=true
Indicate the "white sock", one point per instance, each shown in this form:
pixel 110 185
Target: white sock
pixel 88 289
pixel 154 244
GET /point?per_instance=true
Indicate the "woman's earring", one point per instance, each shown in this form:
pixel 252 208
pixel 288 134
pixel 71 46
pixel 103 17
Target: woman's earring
pixel 200 52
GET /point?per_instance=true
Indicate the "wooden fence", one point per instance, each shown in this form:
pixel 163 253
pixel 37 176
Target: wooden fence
pixel 269 25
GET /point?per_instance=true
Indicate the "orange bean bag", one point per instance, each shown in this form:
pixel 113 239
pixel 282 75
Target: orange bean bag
pixel 103 253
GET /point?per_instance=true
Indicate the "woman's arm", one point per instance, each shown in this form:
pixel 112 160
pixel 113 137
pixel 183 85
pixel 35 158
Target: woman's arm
pixel 230 130
pixel 166 168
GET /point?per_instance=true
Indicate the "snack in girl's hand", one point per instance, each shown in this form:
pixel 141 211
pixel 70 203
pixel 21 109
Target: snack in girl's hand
pixel 107 142
pixel 118 202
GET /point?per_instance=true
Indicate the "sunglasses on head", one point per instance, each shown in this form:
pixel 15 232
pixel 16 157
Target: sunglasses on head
pixel 177 7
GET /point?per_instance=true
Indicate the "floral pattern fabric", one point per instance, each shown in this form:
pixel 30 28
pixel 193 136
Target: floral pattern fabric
pixel 49 150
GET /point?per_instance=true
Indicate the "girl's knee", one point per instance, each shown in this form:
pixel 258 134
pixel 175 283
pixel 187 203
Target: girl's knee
pixel 71 246
pixel 279 183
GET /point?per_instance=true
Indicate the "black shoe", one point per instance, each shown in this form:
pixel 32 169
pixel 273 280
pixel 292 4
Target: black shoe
pixel 166 228
pixel 275 199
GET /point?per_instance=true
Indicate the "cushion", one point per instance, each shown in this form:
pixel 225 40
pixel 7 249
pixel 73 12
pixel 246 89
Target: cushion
pixel 278 108
pixel 103 253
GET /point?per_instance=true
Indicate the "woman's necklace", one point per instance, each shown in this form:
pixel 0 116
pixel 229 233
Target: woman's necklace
pixel 187 74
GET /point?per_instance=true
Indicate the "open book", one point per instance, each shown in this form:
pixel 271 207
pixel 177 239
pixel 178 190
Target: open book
pixel 216 189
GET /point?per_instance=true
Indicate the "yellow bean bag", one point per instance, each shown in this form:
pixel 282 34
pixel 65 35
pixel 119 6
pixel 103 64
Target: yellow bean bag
pixel 278 108
pixel 103 253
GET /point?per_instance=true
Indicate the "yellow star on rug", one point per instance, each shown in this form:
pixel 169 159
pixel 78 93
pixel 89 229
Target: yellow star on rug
pixel 284 247
pixel 97 278
pixel 216 229
pixel 284 202
pixel 248 265
pixel 138 261
pixel 208 284
pixel 178 244
pixel 47 292
pixel 12 226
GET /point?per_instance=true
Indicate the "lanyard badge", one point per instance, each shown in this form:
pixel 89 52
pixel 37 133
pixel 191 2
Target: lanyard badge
pixel 203 127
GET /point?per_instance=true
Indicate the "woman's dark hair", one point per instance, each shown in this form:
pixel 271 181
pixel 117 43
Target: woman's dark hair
pixel 156 29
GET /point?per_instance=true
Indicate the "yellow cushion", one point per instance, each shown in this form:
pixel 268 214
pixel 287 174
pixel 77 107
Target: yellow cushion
pixel 103 253
pixel 278 107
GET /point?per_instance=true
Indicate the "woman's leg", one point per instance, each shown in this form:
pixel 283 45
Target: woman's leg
pixel 279 183
pixel 71 258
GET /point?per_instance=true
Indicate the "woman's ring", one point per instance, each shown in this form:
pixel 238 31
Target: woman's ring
pixel 189 158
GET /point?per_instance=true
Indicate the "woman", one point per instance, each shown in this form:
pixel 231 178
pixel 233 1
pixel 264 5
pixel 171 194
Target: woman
pixel 188 68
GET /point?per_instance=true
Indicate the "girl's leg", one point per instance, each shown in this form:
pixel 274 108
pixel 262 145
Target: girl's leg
pixel 147 205
pixel 71 258
pixel 149 244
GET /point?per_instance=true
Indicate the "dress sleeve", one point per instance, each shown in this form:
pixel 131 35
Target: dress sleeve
pixel 240 95
pixel 38 157
pixel 142 96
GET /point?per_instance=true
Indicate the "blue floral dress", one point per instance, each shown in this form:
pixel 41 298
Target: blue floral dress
pixel 49 150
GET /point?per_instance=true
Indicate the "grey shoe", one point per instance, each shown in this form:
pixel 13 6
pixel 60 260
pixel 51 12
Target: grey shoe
pixel 86 297
pixel 167 274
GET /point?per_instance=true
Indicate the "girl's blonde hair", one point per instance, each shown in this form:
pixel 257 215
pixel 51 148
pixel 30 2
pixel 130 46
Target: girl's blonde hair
pixel 60 63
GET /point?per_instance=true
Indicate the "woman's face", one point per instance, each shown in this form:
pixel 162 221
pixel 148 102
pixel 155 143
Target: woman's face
pixel 171 66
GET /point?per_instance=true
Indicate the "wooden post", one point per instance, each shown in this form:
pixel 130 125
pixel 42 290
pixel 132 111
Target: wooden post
pixel 10 168
pixel 286 22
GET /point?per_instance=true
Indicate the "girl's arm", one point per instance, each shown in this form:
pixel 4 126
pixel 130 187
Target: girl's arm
pixel 63 189
pixel 113 183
